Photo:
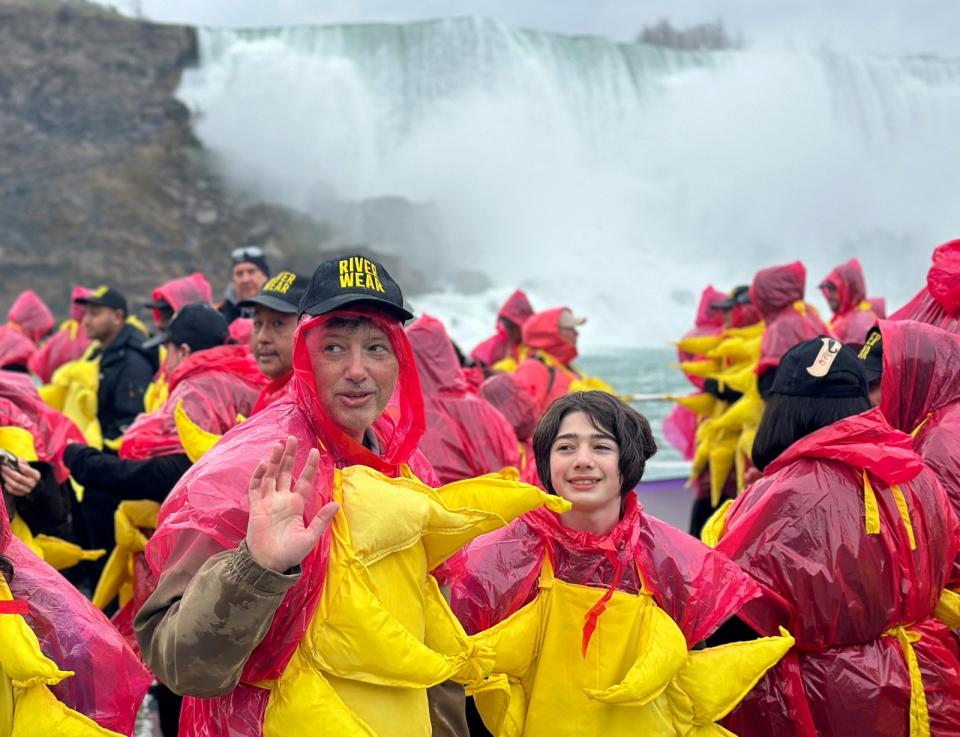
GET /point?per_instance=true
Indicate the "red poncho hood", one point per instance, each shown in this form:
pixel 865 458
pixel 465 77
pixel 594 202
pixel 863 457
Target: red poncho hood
pixel 850 284
pixel 777 287
pixel 939 302
pixel 516 309
pixel 921 371
pixel 31 315
pixel 706 314
pixel 542 332
pixel 437 364
pixel 182 291
pixel 77 310
pixel 215 385
pixel 15 347
pixel 865 441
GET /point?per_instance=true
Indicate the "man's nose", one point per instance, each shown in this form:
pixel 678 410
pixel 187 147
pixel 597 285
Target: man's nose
pixel 356 367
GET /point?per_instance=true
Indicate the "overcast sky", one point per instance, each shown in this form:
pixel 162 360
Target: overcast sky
pixel 867 26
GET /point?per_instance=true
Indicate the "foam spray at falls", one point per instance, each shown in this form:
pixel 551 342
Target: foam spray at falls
pixel 615 178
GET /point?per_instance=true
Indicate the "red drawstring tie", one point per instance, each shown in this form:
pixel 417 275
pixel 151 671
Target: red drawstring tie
pixel 592 617
pixel 16 606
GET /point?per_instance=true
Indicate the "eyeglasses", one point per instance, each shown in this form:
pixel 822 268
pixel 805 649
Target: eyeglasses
pixel 244 252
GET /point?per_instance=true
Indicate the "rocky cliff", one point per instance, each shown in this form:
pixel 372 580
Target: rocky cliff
pixel 101 178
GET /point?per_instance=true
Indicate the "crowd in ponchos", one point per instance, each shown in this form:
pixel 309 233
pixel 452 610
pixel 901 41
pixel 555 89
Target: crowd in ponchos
pixel 823 599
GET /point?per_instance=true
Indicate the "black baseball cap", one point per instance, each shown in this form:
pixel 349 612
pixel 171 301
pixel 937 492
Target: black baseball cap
pixel 738 296
pixel 105 296
pixel 281 293
pixel 353 280
pixel 872 354
pixel 197 324
pixel 821 367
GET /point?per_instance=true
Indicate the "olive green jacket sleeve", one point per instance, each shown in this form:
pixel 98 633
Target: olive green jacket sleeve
pixel 211 609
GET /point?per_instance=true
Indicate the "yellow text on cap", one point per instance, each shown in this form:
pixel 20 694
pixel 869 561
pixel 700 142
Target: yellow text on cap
pixel 281 283
pixel 358 272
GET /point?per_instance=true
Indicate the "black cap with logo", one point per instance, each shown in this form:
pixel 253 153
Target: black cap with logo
pixel 821 367
pixel 738 296
pixel 353 280
pixel 281 293
pixel 105 296
pixel 197 324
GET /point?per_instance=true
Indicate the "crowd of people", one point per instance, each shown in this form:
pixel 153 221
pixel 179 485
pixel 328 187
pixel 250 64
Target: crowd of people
pixel 305 511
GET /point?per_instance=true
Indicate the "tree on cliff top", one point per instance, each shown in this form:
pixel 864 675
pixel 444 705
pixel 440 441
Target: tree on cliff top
pixel 700 37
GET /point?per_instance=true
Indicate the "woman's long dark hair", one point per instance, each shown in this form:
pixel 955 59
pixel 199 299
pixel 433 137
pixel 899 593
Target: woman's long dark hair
pixel 787 418
pixel 628 427
pixel 6 567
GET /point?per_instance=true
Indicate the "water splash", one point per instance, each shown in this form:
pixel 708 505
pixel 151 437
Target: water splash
pixel 616 178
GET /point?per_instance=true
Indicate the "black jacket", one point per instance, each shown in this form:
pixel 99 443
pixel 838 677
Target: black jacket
pixel 152 478
pixel 126 370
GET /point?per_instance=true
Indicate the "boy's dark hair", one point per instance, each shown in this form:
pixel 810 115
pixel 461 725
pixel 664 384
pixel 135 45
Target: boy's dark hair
pixel 607 413
pixel 788 418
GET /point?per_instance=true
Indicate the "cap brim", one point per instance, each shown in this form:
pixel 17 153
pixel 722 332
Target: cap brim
pixel 344 300
pixel 271 302
pixel 156 340
pixel 157 306
pixel 723 304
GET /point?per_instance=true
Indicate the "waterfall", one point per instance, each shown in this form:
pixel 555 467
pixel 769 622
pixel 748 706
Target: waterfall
pixel 616 178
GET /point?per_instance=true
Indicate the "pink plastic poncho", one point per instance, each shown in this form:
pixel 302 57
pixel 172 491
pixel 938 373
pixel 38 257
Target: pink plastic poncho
pixel 214 385
pixel 920 395
pixel 938 303
pixel 546 383
pixel 30 315
pixel 498 573
pixel 777 293
pixel 511 400
pixel 110 680
pixel 498 346
pixel 855 316
pixel 465 437
pixel 182 291
pixel 15 347
pixel 211 502
pixel 51 430
pixel 69 343
pixel 709 321
pixel 853 571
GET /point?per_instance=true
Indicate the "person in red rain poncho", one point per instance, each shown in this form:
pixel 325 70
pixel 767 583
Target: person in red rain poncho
pixel 845 290
pixel 591 449
pixel 777 294
pixel 465 436
pixel 852 539
pixel 31 316
pixel 69 343
pixel 551 339
pixel 709 321
pixel 104 680
pixel 170 296
pixel 918 370
pixel 242 561
pixel 505 343
pixel 938 303
pixel 510 399
pixel 274 322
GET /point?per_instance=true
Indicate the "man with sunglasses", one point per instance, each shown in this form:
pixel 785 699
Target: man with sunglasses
pixel 248 273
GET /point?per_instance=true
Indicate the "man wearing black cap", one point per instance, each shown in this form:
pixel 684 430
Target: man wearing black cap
pixel 126 366
pixel 274 320
pixel 241 530
pixel 248 272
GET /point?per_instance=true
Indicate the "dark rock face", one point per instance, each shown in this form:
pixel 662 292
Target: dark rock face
pixel 101 179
